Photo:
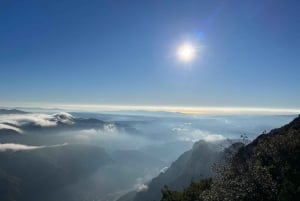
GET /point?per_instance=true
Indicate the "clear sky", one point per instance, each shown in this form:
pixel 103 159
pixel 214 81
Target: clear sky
pixel 122 52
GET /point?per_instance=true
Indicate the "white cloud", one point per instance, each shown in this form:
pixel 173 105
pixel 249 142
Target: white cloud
pixel 22 147
pixel 213 137
pixel 108 131
pixel 44 120
pixel 9 127
pixel 179 129
pixel 163 170
pixel 197 134
pixel 187 123
pixel 141 187
pixel 62 117
pixel 193 135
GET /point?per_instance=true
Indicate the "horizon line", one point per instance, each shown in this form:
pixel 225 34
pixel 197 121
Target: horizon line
pixel 158 108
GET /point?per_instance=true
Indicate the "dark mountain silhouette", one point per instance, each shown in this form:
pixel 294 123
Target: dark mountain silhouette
pixel 266 169
pixel 12 111
pixel 40 174
pixel 194 164
pixel 8 132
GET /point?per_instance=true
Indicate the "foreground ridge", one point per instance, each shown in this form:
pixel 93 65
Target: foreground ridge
pixel 265 169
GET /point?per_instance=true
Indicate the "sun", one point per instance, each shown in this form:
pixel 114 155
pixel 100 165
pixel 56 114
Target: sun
pixel 186 52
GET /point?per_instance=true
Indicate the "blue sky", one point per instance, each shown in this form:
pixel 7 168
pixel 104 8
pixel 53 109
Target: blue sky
pixel 110 52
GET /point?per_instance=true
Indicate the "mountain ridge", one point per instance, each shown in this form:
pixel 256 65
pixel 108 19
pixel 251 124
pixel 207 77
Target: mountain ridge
pixel 266 169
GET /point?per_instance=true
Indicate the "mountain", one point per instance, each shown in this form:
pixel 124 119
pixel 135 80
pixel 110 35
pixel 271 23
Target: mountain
pixel 73 172
pixel 12 111
pixel 40 174
pixel 194 164
pixel 19 122
pixel 8 132
pixel 47 129
pixel 8 129
pixel 266 169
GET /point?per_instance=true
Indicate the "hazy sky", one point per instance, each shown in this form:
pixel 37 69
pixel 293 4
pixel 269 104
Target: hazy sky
pixel 122 52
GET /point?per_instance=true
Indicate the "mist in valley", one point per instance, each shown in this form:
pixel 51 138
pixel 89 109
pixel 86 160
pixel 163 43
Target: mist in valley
pixel 98 156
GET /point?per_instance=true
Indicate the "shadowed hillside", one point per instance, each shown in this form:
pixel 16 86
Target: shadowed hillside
pixel 266 169
pixel 194 164
pixel 40 174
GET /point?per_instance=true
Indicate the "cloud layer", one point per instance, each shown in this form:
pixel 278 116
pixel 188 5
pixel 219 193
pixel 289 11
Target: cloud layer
pixel 22 147
pixel 15 122
pixel 141 187
pixel 187 133
pixel 4 126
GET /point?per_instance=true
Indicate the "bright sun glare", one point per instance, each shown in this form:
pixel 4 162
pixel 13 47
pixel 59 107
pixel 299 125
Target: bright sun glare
pixel 186 52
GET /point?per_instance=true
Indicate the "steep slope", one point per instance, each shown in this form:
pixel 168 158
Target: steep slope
pixel 191 165
pixel 266 169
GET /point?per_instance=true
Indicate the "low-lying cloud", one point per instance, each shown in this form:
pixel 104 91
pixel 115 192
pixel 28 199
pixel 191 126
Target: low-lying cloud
pixel 108 131
pixel 110 136
pixel 22 147
pixel 9 127
pixel 17 121
pixel 187 133
pixel 141 187
pixel 164 169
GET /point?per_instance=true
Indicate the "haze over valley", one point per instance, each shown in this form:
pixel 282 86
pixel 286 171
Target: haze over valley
pixel 96 156
pixel 149 100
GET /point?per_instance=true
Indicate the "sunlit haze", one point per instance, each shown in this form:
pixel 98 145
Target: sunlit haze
pixel 149 100
pixel 186 52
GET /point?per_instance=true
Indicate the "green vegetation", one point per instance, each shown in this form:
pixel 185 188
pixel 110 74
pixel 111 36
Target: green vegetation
pixel 266 169
pixel 191 193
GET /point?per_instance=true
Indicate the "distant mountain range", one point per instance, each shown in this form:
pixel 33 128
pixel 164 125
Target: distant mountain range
pixel 34 167
pixel 19 122
pixel 12 111
pixel 19 127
